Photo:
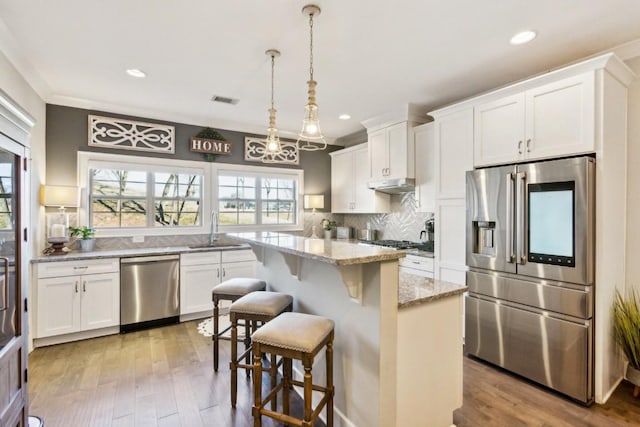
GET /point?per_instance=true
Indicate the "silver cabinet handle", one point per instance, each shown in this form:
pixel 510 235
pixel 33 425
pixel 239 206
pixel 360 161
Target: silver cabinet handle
pixel 81 268
pixel 217 272
pixel 84 286
pixel 224 272
pixel 520 147
pixel 76 287
pixel 528 142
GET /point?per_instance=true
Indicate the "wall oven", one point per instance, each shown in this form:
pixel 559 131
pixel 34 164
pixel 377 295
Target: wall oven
pixel 530 253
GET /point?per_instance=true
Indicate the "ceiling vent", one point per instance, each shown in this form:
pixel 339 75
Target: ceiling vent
pixel 224 99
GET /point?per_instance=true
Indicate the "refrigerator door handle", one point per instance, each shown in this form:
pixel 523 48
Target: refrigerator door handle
pixel 510 253
pixel 521 178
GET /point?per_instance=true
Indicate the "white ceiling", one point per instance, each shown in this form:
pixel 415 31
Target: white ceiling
pixel 371 56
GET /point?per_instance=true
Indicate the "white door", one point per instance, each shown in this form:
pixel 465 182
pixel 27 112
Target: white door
pixel 342 181
pixel 100 307
pixel 499 131
pixel 397 149
pixel 378 154
pixel 561 117
pixel 196 283
pixel 58 306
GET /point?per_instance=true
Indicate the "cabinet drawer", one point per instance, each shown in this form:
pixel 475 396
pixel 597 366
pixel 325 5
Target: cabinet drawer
pixel 417 262
pixel 200 258
pixel 71 268
pixel 240 255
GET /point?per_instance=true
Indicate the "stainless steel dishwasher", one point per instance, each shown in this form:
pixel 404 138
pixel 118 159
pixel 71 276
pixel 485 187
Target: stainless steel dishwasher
pixel 149 291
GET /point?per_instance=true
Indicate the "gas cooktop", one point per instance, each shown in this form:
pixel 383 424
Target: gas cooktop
pixel 402 244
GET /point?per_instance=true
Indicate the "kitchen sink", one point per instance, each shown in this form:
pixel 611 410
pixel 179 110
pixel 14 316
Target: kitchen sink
pixel 215 245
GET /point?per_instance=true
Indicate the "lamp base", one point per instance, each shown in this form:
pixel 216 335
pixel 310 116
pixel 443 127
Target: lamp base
pixel 57 244
pixel 314 234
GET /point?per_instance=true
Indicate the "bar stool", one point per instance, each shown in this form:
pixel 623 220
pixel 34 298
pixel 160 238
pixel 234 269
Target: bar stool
pixel 293 336
pixel 229 290
pixel 252 308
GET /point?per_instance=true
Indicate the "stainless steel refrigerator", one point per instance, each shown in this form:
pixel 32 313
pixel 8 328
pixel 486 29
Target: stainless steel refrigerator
pixel 530 252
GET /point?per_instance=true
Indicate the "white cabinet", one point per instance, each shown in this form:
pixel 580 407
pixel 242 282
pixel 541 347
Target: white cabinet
pixel 76 296
pixel 391 152
pixel 424 146
pixel 417 265
pixel 555 119
pixel 201 271
pixel 349 192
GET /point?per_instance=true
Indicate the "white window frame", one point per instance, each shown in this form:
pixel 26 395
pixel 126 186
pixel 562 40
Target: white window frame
pixel 282 173
pixel 92 160
pixel 210 172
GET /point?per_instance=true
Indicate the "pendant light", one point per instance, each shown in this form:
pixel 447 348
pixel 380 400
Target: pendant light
pixel 272 146
pixel 310 137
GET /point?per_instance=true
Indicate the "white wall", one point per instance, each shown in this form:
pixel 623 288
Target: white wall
pixel 633 181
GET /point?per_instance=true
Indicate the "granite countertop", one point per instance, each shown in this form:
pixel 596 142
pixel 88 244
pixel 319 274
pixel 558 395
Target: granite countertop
pixel 336 252
pixel 415 290
pixel 123 253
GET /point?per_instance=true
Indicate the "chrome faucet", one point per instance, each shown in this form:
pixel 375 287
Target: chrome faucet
pixel 214 227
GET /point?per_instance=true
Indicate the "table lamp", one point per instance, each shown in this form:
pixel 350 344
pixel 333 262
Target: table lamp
pixel 314 201
pixel 58 224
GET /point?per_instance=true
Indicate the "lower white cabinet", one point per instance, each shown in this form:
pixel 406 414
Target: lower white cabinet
pixel 417 265
pixel 200 272
pixel 68 302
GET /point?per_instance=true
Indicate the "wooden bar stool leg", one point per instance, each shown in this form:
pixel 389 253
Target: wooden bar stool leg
pixel 308 388
pixel 273 372
pixel 247 343
pixel 329 357
pixel 286 384
pixel 234 360
pixel 257 385
pixel 216 352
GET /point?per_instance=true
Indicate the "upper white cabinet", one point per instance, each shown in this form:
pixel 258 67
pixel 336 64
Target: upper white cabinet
pixel 424 146
pixel 453 135
pixel 349 176
pixel 391 152
pixel 549 120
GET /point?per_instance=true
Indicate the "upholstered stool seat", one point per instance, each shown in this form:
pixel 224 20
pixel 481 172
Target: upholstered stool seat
pixel 229 290
pixel 294 336
pixel 256 307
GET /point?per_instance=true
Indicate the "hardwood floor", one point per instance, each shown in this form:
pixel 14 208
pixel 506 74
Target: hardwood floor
pixel 164 377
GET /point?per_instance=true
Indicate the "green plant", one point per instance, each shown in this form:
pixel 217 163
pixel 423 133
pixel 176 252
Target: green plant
pixel 626 326
pixel 85 232
pixel 328 224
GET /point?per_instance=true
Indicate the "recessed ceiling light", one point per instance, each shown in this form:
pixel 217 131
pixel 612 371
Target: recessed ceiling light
pixel 523 37
pixel 134 72
pixel 344 117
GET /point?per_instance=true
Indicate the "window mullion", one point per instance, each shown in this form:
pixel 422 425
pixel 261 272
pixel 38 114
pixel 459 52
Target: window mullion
pixel 151 207
pixel 259 200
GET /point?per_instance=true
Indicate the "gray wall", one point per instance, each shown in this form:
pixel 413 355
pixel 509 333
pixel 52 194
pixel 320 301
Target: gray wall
pixel 67 133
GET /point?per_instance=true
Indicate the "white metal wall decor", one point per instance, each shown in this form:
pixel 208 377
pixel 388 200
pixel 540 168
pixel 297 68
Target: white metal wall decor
pixel 254 151
pixel 120 134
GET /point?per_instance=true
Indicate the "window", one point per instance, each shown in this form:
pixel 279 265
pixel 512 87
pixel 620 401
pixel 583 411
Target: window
pixel 126 195
pixel 255 196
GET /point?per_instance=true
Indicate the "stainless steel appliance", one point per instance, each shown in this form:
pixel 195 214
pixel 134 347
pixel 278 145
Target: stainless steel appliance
pixel 393 186
pixel 530 253
pixel 401 244
pixel 149 291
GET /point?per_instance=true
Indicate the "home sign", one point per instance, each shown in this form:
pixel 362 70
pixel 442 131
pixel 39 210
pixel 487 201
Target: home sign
pixel 210 146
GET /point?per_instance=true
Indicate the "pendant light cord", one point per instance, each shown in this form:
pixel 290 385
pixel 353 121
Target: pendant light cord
pixel 272 67
pixel 311 46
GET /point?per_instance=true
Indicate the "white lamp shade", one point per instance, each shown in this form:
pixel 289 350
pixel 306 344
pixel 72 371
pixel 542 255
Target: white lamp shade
pixel 314 201
pixel 59 196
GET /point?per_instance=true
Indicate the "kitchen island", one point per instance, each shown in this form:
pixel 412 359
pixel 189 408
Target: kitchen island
pixel 398 345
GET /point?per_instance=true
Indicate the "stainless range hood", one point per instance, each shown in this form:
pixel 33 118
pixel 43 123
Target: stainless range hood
pixel 393 186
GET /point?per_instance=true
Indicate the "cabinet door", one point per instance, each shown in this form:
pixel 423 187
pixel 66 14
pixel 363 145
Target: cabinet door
pixel 454 153
pixel 378 154
pixel 424 142
pixel 100 307
pixel 58 309
pixel 450 240
pixel 238 269
pixel 561 117
pixel 196 282
pixel 398 150
pixel 342 181
pixel 499 131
